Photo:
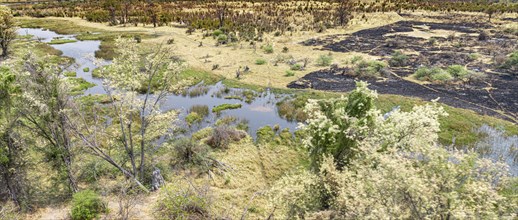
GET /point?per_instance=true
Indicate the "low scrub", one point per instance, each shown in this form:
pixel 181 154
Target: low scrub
pixel 260 62
pixel 324 60
pixel 451 73
pixel 511 62
pixel 369 69
pixel 222 136
pixel 398 59
pixel 179 200
pixel 87 205
pixel 190 153
pixel 268 49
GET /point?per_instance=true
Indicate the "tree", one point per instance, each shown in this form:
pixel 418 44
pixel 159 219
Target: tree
pixel 7 29
pixel 347 121
pixel 399 171
pixel 344 11
pixel 13 150
pixel 221 12
pixel 112 6
pixel 139 121
pixel 46 102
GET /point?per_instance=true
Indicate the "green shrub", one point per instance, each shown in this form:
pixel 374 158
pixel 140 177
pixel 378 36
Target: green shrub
pixel 268 48
pixel 86 69
pixel 179 200
pixel 289 73
pixel 356 59
pixel 202 134
pixel 474 56
pixel 369 68
pixel 265 135
pixel 222 39
pixel 190 152
pixel 97 72
pixel 216 33
pixel 260 61
pixel 296 67
pixel 458 71
pixel 425 73
pixel 87 205
pixel 223 107
pixel 442 76
pixel 398 59
pixel 324 60
pixel 512 61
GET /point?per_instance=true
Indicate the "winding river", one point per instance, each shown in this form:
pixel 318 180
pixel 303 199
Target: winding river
pixel 260 112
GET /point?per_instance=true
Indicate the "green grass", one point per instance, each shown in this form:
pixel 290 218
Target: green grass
pixel 93 99
pixel 224 107
pixel 86 69
pixel 62 41
pixel 260 62
pixel 107 47
pixel 193 118
pixel 78 85
pixel 196 76
pixel 70 74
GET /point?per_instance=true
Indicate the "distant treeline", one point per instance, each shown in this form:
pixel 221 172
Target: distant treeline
pixel 249 18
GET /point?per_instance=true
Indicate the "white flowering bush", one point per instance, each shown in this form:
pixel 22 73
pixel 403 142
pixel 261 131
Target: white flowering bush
pixel 336 126
pixel 398 170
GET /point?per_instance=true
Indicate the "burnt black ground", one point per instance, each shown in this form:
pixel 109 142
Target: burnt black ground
pixel 472 96
pixel 503 95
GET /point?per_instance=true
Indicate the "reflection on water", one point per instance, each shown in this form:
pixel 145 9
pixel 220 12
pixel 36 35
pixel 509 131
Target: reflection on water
pixel 499 147
pixel 262 111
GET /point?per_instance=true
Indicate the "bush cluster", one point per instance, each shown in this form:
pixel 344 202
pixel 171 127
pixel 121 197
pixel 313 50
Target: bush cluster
pixel 87 205
pixel 451 73
pixel 324 60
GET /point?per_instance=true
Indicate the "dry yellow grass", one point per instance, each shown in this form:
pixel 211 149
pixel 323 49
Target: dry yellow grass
pixel 231 57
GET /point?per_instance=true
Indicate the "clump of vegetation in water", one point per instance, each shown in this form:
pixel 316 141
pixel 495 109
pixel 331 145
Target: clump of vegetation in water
pixel 79 84
pixel 193 118
pixel 86 69
pixel 224 107
pixel 62 41
pixel 293 109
